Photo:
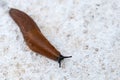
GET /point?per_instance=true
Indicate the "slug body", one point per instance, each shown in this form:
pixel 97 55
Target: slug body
pixel 33 36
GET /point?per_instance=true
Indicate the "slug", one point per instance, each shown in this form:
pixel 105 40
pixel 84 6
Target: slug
pixel 34 38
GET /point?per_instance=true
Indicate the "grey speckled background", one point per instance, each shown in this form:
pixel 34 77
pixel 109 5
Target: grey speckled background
pixel 89 30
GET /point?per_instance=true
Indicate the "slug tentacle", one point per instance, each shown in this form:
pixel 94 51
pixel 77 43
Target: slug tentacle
pixel 61 57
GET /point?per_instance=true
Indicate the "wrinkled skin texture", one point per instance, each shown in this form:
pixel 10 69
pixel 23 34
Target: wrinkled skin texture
pixel 33 36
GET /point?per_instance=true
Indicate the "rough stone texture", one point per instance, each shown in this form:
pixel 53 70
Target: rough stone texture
pixel 89 30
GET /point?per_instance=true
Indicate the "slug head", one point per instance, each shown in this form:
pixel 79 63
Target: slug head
pixel 61 57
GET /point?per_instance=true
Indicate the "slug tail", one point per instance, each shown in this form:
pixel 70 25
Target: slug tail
pixel 62 58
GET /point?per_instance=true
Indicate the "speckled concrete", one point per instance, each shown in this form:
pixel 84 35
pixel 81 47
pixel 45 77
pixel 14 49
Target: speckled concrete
pixel 89 30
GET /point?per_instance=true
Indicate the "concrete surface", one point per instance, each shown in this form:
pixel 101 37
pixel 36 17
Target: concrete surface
pixel 89 30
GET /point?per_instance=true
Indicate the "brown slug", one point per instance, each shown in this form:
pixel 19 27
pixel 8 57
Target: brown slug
pixel 33 36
